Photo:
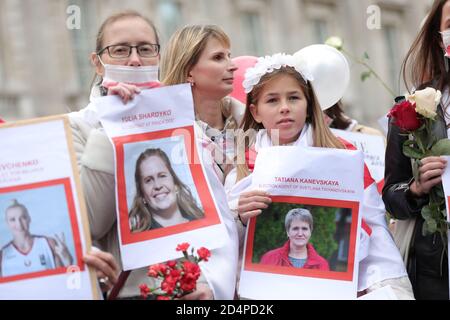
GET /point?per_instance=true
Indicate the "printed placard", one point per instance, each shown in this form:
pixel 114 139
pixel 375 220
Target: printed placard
pixel 163 196
pixel 373 147
pixel 308 237
pixel 45 229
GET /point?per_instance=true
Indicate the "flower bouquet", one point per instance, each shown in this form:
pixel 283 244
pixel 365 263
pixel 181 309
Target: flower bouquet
pixel 415 116
pixel 177 277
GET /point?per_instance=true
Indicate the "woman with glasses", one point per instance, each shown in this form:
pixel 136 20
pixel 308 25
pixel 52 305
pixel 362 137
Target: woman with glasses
pixel 125 60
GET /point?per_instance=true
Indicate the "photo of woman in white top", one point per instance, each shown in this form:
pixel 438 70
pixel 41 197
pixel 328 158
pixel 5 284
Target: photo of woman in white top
pixel 26 252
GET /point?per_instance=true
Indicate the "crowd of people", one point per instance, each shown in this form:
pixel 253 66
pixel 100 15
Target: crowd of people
pixel 279 99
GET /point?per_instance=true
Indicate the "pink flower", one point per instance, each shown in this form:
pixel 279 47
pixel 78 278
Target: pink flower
pixel 204 253
pixel 183 247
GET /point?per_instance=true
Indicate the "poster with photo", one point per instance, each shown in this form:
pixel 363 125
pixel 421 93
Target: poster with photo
pixel 44 229
pixel 163 196
pixel 303 246
pixel 373 147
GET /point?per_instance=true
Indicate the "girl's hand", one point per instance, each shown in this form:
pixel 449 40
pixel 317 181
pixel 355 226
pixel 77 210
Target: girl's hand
pixel 125 91
pixel 430 174
pixel 251 204
pixel 105 267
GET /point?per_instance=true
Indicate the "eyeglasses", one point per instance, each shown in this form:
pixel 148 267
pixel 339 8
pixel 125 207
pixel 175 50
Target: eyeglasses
pixel 122 51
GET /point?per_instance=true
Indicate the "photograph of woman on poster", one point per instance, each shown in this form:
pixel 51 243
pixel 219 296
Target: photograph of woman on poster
pixel 26 252
pixel 297 252
pixel 161 199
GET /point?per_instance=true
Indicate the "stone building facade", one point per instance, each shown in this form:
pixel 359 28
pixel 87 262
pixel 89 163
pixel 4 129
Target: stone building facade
pixel 44 52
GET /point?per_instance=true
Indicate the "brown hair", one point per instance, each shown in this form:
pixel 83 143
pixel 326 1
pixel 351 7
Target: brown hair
pixel 110 20
pixel 140 216
pixel 322 136
pixel 424 61
pixel 340 120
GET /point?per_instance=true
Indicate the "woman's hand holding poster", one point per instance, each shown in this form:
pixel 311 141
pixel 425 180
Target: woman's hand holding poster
pixel 163 196
pixel 303 246
pixel 44 229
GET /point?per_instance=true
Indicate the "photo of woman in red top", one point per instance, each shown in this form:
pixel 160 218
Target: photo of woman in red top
pixel 297 252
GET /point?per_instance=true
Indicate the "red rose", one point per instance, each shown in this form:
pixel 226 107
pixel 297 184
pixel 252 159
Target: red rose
pixel 145 290
pixel 204 253
pixel 183 246
pixel 405 116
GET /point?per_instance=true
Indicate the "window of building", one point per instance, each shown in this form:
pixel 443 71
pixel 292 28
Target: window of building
pixel 252 32
pixel 83 42
pixel 390 35
pixel 170 16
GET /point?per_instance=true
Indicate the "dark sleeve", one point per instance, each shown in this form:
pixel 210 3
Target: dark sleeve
pixel 398 176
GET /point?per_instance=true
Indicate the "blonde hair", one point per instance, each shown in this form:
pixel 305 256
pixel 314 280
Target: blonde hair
pixel 17 204
pixel 322 135
pixel 184 49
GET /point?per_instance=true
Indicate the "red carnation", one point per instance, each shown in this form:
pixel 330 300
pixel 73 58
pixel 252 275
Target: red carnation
pixel 204 253
pixel 405 116
pixel 145 290
pixel 169 285
pixel 191 269
pixel 188 284
pixel 156 270
pixel 183 246
pixel 172 264
pixel 163 298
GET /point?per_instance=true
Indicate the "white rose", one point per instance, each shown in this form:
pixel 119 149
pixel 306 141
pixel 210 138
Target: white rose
pixel 426 101
pixel 335 42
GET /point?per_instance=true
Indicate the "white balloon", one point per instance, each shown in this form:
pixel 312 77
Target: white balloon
pixel 330 71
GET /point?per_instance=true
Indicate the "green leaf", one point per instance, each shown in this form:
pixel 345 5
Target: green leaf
pixel 410 143
pixel 366 56
pixel 441 148
pixel 412 152
pixel 426 213
pixel 366 75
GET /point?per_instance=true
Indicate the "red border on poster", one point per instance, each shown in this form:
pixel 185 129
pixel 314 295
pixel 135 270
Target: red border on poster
pixel 73 222
pixel 211 214
pixel 282 270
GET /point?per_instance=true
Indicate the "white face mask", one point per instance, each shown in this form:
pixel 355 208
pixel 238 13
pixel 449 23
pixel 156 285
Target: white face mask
pixel 446 41
pixel 142 77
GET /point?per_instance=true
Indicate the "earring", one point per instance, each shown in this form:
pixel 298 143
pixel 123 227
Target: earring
pixel 192 83
pixel 144 201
